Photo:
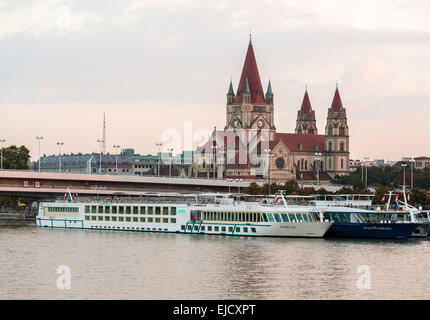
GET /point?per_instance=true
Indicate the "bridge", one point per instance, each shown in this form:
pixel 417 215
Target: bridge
pixel 32 184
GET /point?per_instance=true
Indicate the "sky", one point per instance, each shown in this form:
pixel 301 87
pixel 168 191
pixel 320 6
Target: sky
pixel 155 66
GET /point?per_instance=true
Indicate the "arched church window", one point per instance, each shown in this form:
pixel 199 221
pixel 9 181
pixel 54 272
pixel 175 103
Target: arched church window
pixel 302 164
pixel 329 163
pixel 341 163
pixel 306 165
pixel 330 146
pixel 342 131
pixel 330 131
pixel 342 146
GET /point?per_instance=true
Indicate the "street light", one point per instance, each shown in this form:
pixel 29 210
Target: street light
pixel 412 172
pixel 1 146
pixel 239 180
pixel 404 165
pixel 100 141
pixel 365 163
pixel 60 144
pixel 229 180
pixel 158 144
pixel 170 162
pixel 39 138
pixel 116 158
pixel 318 154
pixel 269 155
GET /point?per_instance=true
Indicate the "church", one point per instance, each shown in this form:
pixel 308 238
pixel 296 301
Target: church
pixel 249 146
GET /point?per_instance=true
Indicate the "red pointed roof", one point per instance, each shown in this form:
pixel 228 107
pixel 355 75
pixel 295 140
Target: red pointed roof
pixel 336 105
pixel 250 71
pixel 306 104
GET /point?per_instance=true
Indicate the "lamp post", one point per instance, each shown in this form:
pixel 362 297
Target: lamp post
pixel 239 180
pixel 229 184
pixel 116 158
pixel 170 162
pixel 318 154
pixel 158 144
pixel 214 151
pixel 404 165
pixel 100 141
pixel 412 172
pixel 269 155
pixel 60 144
pixel 39 138
pixel 365 163
pixel 1 147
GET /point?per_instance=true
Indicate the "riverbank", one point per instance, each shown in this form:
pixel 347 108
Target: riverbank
pixel 15 218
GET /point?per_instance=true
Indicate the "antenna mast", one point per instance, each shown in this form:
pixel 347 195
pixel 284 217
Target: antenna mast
pixel 104 134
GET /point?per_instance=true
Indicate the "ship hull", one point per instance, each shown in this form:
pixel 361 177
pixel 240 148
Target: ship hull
pixel 371 230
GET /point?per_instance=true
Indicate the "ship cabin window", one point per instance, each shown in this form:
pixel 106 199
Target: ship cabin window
pixel 285 217
pixel 299 217
pixel 173 211
pixel 121 209
pixel 277 217
pixel 142 219
pixel 253 230
pixel 107 218
pixel 173 220
pixel 209 228
pixel 93 209
pixel 87 218
pixel 270 217
pixel 135 219
pixel 230 229
pixel 127 210
pixel 87 209
pixel 142 210
pixel 127 219
pixel 113 218
pixel 93 218
pixel 182 227
pixel 150 210
pixel 202 228
pixel 245 229
pixel 189 228
pixel 100 218
pixel 223 229
pixel 237 229
pixel 165 210
pixel 157 220
pixel 107 209
pixel 196 228
pixel 114 209
pixel 216 229
pixel 100 209
pixel 305 217
pixel 292 217
pixel 135 210
pixel 157 210
pixel 264 217
pixel 165 220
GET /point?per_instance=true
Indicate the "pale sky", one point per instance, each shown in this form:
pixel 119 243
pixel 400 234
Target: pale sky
pixel 151 65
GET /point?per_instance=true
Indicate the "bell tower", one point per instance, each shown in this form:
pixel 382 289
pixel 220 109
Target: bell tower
pixel 306 123
pixel 336 138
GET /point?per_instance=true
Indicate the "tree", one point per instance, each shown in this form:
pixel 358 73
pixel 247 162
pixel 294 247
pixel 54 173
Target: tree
pixel 16 158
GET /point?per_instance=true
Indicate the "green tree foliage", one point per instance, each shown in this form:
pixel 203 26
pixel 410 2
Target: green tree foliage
pixel 16 157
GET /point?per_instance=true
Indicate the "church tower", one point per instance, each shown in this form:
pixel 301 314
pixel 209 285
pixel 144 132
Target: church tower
pixel 250 109
pixel 306 123
pixel 336 138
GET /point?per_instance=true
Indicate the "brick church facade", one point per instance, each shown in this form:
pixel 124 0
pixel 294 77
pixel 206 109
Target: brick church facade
pixel 250 147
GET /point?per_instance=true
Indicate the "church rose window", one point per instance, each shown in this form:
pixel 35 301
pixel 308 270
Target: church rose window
pixel 280 163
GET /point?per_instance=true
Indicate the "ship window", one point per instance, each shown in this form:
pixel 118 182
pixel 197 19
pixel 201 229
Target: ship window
pixel 100 209
pixel 209 228
pixel 107 218
pixel 165 210
pixel 107 209
pixel 87 218
pixel 189 228
pixel 150 210
pixel 182 227
pixel 114 209
pixel 196 228
pixel 253 230
pixel 230 229
pixel 277 217
pixel 93 209
pixel 264 217
pixel 142 210
pixel 142 219
pixel 202 228
pixel 245 229
pixel 305 217
pixel 165 220
pixel 157 220
pixel 173 211
pixel 127 210
pixel 285 217
pixel 237 229
pixel 127 219
pixel 121 209
pixel 135 219
pixel 172 220
pixel 151 220
pixel 157 210
pixel 270 216
pixel 216 228
pixel 299 217
pixel 135 210
pixel 87 209
pixel 292 217
pixel 223 229
pixel 113 218
pixel 100 218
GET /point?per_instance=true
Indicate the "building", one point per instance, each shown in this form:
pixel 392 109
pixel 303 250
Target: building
pixel 250 147
pixel 86 163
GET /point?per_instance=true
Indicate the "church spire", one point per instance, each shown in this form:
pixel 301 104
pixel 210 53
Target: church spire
pixel 337 105
pixel 230 93
pixel 250 72
pixel 306 107
pixel 306 123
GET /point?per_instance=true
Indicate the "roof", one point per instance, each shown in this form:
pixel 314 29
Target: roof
pixel 250 72
pixel 308 142
pixel 337 105
pixel 306 107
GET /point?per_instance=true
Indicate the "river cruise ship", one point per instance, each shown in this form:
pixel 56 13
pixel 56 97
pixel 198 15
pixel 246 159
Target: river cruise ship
pixel 189 214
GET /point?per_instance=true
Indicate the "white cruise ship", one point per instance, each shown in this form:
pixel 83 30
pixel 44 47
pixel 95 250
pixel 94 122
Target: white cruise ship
pixel 189 214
